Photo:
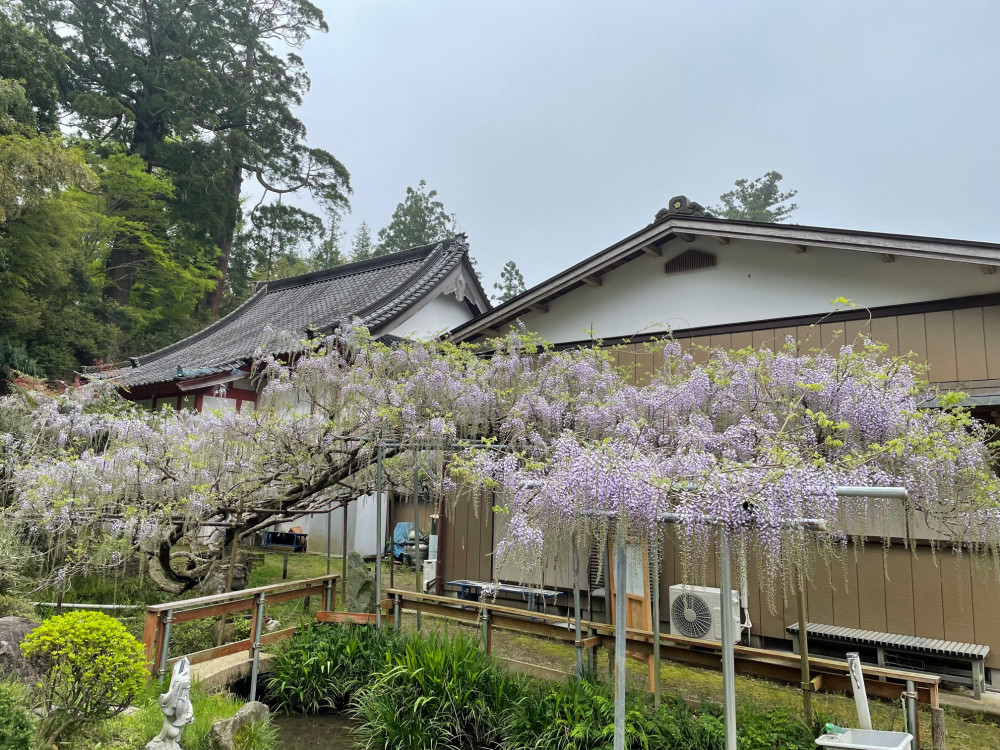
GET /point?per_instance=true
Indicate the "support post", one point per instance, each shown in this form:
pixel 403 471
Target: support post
pixel 396 611
pixel 418 573
pixel 343 562
pixel 329 541
pixel 328 595
pixel 938 732
pixel 576 607
pixel 803 638
pixel 655 580
pixel 728 659
pixel 378 539
pixel 258 623
pixel 284 567
pixel 911 713
pixel 165 643
pixel 620 613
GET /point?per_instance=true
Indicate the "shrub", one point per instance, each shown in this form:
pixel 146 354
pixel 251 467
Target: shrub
pixel 438 693
pixel 17 607
pixel 91 669
pixel 15 724
pixel 324 665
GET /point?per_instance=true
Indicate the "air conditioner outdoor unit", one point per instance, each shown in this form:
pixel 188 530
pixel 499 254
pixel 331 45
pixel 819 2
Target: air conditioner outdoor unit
pixel 695 612
pixel 430 574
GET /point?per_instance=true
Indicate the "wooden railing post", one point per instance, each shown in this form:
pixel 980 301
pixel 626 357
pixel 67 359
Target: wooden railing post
pixel 149 632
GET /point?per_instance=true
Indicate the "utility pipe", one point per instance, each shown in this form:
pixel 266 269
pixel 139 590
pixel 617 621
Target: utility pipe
pixel 576 606
pixel 728 658
pixel 655 575
pixel 859 691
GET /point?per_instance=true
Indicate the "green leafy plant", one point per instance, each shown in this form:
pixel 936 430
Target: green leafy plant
pixel 258 735
pixel 324 665
pixel 438 692
pixel 15 724
pixel 91 669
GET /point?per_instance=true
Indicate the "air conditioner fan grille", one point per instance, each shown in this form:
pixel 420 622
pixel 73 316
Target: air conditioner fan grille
pixel 691 616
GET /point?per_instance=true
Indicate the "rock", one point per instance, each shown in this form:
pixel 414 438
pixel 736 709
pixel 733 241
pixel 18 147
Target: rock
pixel 223 733
pixel 215 581
pixel 360 585
pixel 12 632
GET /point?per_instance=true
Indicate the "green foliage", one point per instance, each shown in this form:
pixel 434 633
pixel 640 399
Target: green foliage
pixel 438 693
pixel 91 668
pixel 511 282
pixel 258 735
pixel 16 729
pixel 418 220
pixel 757 200
pixel 15 606
pixel 325 665
pixel 362 246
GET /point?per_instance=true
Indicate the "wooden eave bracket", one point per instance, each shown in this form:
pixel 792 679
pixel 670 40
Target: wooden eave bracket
pixel 988 269
pixel 538 307
pixel 594 281
pixel 721 240
pixel 887 257
pixel 800 249
pixel 653 251
pixel 685 236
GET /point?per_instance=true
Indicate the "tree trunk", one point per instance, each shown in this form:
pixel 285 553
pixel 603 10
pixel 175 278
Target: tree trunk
pixel 226 241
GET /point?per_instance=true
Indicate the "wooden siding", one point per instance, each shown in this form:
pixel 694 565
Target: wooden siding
pixel 911 592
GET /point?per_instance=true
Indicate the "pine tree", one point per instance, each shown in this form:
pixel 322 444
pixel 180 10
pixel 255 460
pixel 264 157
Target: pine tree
pixel 511 282
pixel 418 220
pixel 757 200
pixel 362 247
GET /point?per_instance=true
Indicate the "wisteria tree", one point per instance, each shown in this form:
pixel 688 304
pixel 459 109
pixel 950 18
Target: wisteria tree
pixel 564 439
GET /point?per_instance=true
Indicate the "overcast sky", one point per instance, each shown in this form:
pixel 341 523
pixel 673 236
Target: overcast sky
pixel 553 128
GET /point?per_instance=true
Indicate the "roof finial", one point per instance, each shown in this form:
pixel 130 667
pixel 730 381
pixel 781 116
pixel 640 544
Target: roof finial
pixel 679 205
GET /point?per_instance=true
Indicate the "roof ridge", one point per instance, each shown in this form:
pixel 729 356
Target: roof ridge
pixel 347 269
pixel 207 330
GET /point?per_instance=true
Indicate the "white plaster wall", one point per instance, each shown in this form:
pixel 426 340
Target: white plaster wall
pixel 440 315
pixel 752 281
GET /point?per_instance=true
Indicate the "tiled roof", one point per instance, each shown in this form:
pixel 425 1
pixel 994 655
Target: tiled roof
pixel 376 291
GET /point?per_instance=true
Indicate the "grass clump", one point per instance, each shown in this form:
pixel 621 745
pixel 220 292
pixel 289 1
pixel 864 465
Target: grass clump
pixel 438 693
pixel 16 728
pixel 323 666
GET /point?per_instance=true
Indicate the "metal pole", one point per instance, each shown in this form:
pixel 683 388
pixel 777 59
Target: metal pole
pixel 800 596
pixel 576 607
pixel 417 569
pixel 378 539
pixel 655 575
pixel 911 713
pixel 343 562
pixel 258 626
pixel 169 618
pixel 620 635
pixel 329 541
pixel 728 662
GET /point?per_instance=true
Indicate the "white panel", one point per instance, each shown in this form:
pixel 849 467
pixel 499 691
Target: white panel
pixel 753 281
pixel 209 403
pixel 365 523
pixel 440 315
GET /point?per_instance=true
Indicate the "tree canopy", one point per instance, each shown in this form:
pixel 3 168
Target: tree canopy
pixel 419 219
pixel 564 438
pixel 757 200
pixel 511 282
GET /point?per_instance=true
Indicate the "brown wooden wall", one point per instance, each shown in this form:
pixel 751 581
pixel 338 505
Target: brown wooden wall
pixel 467 538
pixel 948 597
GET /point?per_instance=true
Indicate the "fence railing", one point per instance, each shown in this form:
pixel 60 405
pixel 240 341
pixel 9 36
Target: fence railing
pixel 829 674
pixel 160 618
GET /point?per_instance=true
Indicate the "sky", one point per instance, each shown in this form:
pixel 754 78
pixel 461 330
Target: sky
pixel 552 129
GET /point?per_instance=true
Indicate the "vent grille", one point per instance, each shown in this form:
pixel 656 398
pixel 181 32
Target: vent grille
pixel 691 260
pixel 691 616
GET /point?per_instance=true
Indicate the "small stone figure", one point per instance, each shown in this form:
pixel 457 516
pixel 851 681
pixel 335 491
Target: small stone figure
pixel 176 707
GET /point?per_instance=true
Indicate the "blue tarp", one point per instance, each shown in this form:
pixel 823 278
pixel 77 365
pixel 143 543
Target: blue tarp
pixel 400 536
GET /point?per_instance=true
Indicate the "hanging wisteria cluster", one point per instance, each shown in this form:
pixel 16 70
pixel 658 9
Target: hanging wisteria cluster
pixel 568 443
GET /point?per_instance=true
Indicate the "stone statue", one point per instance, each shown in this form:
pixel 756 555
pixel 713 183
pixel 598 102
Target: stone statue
pixel 176 707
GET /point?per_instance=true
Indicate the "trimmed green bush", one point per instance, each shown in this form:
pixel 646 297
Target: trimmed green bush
pixel 323 666
pixel 91 669
pixel 438 693
pixel 16 729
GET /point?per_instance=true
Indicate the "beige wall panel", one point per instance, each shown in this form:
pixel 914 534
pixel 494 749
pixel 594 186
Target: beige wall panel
pixel 853 330
pixel 781 336
pixel 626 362
pixel 929 615
pixel 956 589
pixel 723 340
pixel 912 336
pixel 697 351
pixel 762 338
pixel 871 588
pixel 899 604
pixel 658 359
pixel 845 598
pixel 819 594
pixel 643 368
pixel 991 329
pixel 986 601
pixel 831 337
pixel 809 338
pixel 970 344
pixel 884 331
pixel 755 603
pixel 744 339
pixel 941 345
